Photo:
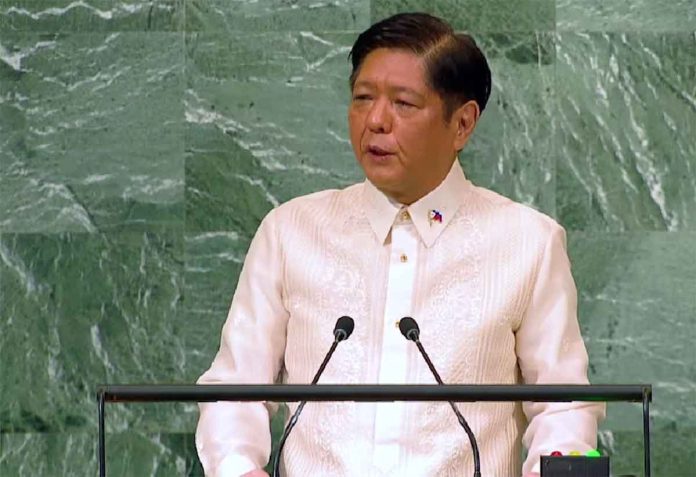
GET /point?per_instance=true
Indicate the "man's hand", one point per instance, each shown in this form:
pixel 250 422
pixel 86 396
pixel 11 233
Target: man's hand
pixel 256 473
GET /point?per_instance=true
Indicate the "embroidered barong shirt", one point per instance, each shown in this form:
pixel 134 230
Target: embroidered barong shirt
pixel 488 281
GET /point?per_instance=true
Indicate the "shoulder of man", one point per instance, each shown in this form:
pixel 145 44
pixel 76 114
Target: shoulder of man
pixel 318 203
pixel 516 216
pixel 322 199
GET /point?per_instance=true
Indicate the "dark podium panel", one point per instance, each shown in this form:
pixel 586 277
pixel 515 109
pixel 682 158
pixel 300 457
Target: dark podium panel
pixel 374 393
pixel 574 466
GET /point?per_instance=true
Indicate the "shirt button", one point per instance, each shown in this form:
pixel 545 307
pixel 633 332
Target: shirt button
pixel 404 216
pixel 403 258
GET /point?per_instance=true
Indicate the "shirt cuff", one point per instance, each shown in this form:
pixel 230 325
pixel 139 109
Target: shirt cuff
pixel 536 468
pixel 235 466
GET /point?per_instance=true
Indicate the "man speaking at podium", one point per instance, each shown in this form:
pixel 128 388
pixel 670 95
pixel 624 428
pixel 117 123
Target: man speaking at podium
pixel 488 280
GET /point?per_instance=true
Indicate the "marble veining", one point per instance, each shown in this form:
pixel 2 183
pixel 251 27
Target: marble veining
pixel 142 141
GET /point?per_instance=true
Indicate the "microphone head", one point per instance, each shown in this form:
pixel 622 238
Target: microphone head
pixel 344 328
pixel 409 328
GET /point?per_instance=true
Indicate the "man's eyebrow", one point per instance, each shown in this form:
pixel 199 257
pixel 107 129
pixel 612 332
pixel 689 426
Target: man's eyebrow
pixel 404 89
pixel 394 89
pixel 364 84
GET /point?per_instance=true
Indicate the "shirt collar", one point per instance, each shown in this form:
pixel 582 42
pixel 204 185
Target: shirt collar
pixel 430 214
pixel 380 210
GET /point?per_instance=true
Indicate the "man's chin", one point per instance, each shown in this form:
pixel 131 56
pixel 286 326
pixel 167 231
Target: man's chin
pixel 382 179
pixel 392 188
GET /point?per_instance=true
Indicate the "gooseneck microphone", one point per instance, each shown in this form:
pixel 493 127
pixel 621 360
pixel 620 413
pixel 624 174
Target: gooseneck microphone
pixel 409 328
pixel 342 331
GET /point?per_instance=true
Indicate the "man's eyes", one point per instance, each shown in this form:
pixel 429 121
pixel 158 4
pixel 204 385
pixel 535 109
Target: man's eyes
pixel 404 104
pixel 398 102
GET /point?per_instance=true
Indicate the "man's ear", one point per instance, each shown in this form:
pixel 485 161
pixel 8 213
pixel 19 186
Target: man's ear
pixel 466 116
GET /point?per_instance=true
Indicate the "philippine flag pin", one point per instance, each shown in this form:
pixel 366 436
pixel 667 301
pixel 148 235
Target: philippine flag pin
pixel 434 216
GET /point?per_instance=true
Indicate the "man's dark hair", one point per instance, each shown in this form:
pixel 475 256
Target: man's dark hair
pixel 454 66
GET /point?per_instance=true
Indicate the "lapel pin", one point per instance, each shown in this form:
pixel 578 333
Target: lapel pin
pixel 434 216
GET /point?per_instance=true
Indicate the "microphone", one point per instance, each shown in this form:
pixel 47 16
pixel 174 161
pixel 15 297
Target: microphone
pixel 342 331
pixel 409 328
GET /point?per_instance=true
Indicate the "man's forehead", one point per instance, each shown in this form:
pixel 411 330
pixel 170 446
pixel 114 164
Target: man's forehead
pixel 399 70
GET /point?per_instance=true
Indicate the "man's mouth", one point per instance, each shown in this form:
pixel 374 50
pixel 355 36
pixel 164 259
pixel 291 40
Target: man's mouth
pixel 378 151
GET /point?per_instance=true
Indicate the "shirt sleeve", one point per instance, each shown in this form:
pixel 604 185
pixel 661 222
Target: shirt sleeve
pixel 550 350
pixel 234 438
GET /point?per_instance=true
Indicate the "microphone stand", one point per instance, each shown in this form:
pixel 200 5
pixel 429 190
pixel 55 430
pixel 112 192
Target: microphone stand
pixel 409 328
pixel 460 418
pixel 296 414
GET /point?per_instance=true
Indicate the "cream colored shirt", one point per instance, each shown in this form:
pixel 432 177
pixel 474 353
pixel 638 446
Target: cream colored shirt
pixel 488 281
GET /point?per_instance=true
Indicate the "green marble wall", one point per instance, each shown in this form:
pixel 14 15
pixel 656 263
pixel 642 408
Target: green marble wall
pixel 141 142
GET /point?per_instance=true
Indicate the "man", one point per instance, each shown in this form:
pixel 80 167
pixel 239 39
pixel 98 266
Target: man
pixel 488 280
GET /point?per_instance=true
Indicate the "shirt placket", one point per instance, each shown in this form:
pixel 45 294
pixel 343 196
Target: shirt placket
pixel 392 370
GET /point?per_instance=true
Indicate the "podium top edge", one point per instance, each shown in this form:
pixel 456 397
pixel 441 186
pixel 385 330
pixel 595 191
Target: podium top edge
pixel 373 392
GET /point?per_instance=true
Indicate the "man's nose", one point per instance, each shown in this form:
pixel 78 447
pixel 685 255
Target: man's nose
pixel 379 117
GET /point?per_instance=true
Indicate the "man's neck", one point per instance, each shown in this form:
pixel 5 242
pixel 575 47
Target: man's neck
pixel 412 196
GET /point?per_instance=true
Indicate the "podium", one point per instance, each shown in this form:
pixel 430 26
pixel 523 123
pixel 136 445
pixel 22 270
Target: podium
pixel 125 393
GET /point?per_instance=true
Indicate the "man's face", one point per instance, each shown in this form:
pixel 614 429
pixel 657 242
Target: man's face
pixel 397 126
